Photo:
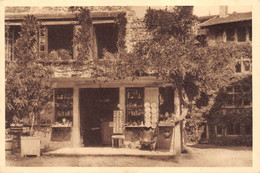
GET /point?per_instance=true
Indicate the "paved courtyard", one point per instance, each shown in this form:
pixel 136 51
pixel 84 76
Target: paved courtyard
pixel 197 156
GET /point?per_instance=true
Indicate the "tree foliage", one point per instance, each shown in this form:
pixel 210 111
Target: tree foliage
pixel 27 81
pixel 199 72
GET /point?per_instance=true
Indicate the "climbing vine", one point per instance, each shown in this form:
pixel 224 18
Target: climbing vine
pixel 82 40
pixel 121 21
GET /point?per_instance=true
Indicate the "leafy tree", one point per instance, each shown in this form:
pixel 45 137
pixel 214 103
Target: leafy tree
pixel 172 53
pixel 28 87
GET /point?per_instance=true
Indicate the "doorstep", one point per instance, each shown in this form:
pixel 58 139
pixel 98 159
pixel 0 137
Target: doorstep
pixel 104 151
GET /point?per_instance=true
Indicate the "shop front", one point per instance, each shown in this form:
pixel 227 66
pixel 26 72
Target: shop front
pixel 90 108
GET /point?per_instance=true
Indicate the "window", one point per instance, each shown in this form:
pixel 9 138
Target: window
pixel 60 38
pixel 244 65
pixel 230 34
pixel 219 35
pixel 241 34
pixel 135 106
pixel 219 130
pixel 166 100
pixel 63 104
pixel 106 38
pixel 238 95
pixel 11 35
pixel 238 67
pixel 233 129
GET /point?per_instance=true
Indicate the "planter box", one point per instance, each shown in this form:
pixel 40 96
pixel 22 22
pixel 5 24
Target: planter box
pixel 30 146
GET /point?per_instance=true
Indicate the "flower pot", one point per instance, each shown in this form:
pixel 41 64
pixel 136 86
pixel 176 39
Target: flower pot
pixel 30 145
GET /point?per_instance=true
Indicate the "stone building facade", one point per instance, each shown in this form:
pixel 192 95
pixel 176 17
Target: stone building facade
pixel 83 109
pixel 233 28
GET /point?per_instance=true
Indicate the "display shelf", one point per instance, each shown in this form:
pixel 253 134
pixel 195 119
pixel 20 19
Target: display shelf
pixel 63 103
pixel 134 104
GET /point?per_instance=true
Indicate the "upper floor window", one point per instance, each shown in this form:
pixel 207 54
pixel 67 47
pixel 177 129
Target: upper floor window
pixel 230 34
pixel 219 35
pixel 239 95
pixel 11 35
pixel 59 37
pixel 241 34
pixel 244 65
pixel 106 38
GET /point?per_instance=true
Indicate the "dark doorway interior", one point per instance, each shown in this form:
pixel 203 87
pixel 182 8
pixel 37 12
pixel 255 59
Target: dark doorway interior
pixel 96 114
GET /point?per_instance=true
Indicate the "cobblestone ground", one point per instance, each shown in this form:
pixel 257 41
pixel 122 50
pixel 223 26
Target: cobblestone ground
pixel 197 156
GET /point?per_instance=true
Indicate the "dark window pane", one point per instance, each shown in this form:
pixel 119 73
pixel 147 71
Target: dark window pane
pixel 238 99
pixel 229 89
pixel 233 129
pixel 246 65
pixel 238 88
pixel 230 130
pixel 230 34
pixel 219 35
pixel 229 100
pixel 238 67
pixel 241 34
pixel 246 88
pixel 247 99
pixel 219 130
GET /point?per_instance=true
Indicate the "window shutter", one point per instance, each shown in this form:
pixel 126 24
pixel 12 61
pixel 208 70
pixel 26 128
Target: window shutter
pixel 43 40
pixel 9 44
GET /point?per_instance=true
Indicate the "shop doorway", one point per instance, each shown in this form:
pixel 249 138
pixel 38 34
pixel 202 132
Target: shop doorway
pixel 96 115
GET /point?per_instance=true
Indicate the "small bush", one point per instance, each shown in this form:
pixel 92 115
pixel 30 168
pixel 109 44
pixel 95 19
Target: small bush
pixel 232 141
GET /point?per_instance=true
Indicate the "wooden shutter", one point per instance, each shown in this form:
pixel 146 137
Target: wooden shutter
pixel 9 44
pixel 43 40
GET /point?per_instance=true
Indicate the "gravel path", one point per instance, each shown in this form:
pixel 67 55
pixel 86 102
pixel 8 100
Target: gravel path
pixel 197 156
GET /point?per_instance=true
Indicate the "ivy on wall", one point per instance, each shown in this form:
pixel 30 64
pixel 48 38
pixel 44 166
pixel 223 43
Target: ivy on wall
pixel 121 21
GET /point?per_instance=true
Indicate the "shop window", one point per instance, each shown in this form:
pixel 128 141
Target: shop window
pixel 11 35
pixel 135 106
pixel 60 38
pixel 64 105
pixel 106 38
pixel 241 34
pixel 230 34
